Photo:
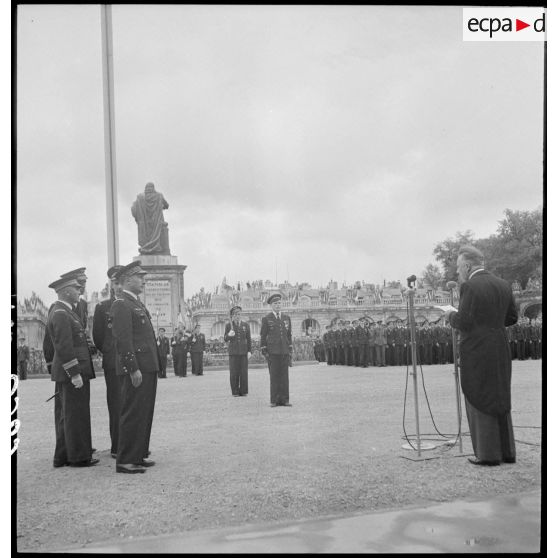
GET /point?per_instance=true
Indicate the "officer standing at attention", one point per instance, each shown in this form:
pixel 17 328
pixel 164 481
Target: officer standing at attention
pixel 137 366
pixel 197 349
pixel 102 337
pixel 71 369
pixel 237 334
pixel 163 349
pixel 22 358
pixel 277 347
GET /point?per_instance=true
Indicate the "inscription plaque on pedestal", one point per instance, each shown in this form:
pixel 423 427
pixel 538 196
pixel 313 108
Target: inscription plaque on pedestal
pixel 158 300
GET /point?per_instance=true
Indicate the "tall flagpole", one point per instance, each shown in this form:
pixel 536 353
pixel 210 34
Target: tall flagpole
pixel 110 148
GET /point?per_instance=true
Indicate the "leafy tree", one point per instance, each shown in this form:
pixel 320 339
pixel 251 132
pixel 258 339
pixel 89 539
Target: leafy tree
pixel 445 252
pixel 514 252
pixel 433 277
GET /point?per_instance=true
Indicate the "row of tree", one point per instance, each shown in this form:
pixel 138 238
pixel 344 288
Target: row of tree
pixel 515 252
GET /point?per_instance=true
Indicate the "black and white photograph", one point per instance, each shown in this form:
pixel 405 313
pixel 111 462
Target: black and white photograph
pixel 278 278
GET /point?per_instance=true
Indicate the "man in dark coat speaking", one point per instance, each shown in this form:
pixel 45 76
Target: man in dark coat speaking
pixel 486 307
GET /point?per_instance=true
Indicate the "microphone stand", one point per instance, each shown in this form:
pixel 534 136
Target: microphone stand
pixel 414 355
pixel 456 375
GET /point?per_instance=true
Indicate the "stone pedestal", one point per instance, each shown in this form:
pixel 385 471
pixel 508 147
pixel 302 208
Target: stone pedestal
pixel 164 289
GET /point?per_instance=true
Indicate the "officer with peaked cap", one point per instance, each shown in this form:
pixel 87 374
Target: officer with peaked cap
pixel 277 346
pixel 81 305
pixel 137 366
pixel 103 339
pixel 71 369
pixel 237 334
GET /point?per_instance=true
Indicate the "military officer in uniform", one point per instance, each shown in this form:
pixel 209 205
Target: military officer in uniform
pixel 103 339
pixel 198 347
pixel 345 339
pixel 80 307
pixel 137 366
pixel 380 343
pixel 237 335
pixel 71 369
pixel 363 336
pixel 277 346
pixel 357 332
pixel 327 346
pixel 179 347
pixel 163 349
pixel 22 358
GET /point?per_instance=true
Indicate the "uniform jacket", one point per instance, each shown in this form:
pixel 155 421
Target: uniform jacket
pixel 81 311
pixel 69 342
pixel 241 342
pixel 361 335
pixel 134 337
pixel 22 352
pixel 197 343
pixel 380 335
pixel 338 338
pixel 486 307
pixel 102 333
pixel 276 334
pixel 48 347
pixel 180 344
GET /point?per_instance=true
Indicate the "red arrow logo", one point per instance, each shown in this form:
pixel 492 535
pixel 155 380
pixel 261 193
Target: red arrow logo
pixel 519 25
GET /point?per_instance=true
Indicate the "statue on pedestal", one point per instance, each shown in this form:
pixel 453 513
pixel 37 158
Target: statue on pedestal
pixel 153 233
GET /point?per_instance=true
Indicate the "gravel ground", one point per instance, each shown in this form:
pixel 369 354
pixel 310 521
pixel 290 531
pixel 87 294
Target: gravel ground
pixel 224 461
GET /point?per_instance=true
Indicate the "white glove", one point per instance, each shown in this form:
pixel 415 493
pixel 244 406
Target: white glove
pixel 77 380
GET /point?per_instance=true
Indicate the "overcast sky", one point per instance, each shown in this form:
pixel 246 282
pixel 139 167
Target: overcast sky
pixel 318 142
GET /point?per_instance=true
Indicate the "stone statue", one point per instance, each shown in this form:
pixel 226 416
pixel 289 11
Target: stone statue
pixel 153 234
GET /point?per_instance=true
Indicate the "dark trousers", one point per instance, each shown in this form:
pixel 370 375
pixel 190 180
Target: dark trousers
pixel 399 355
pixel 197 363
pixel 427 353
pixel 492 437
pixel 22 369
pixel 364 358
pixel 520 349
pixel 279 379
pixel 356 356
pixel 347 355
pixel 72 423
pixel 136 417
pixel 380 355
pixel 162 366
pixel 238 369
pixel 113 404
pixel 329 352
pixel 181 364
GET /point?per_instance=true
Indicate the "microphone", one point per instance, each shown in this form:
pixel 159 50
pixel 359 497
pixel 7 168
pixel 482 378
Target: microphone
pixel 451 285
pixel 411 279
